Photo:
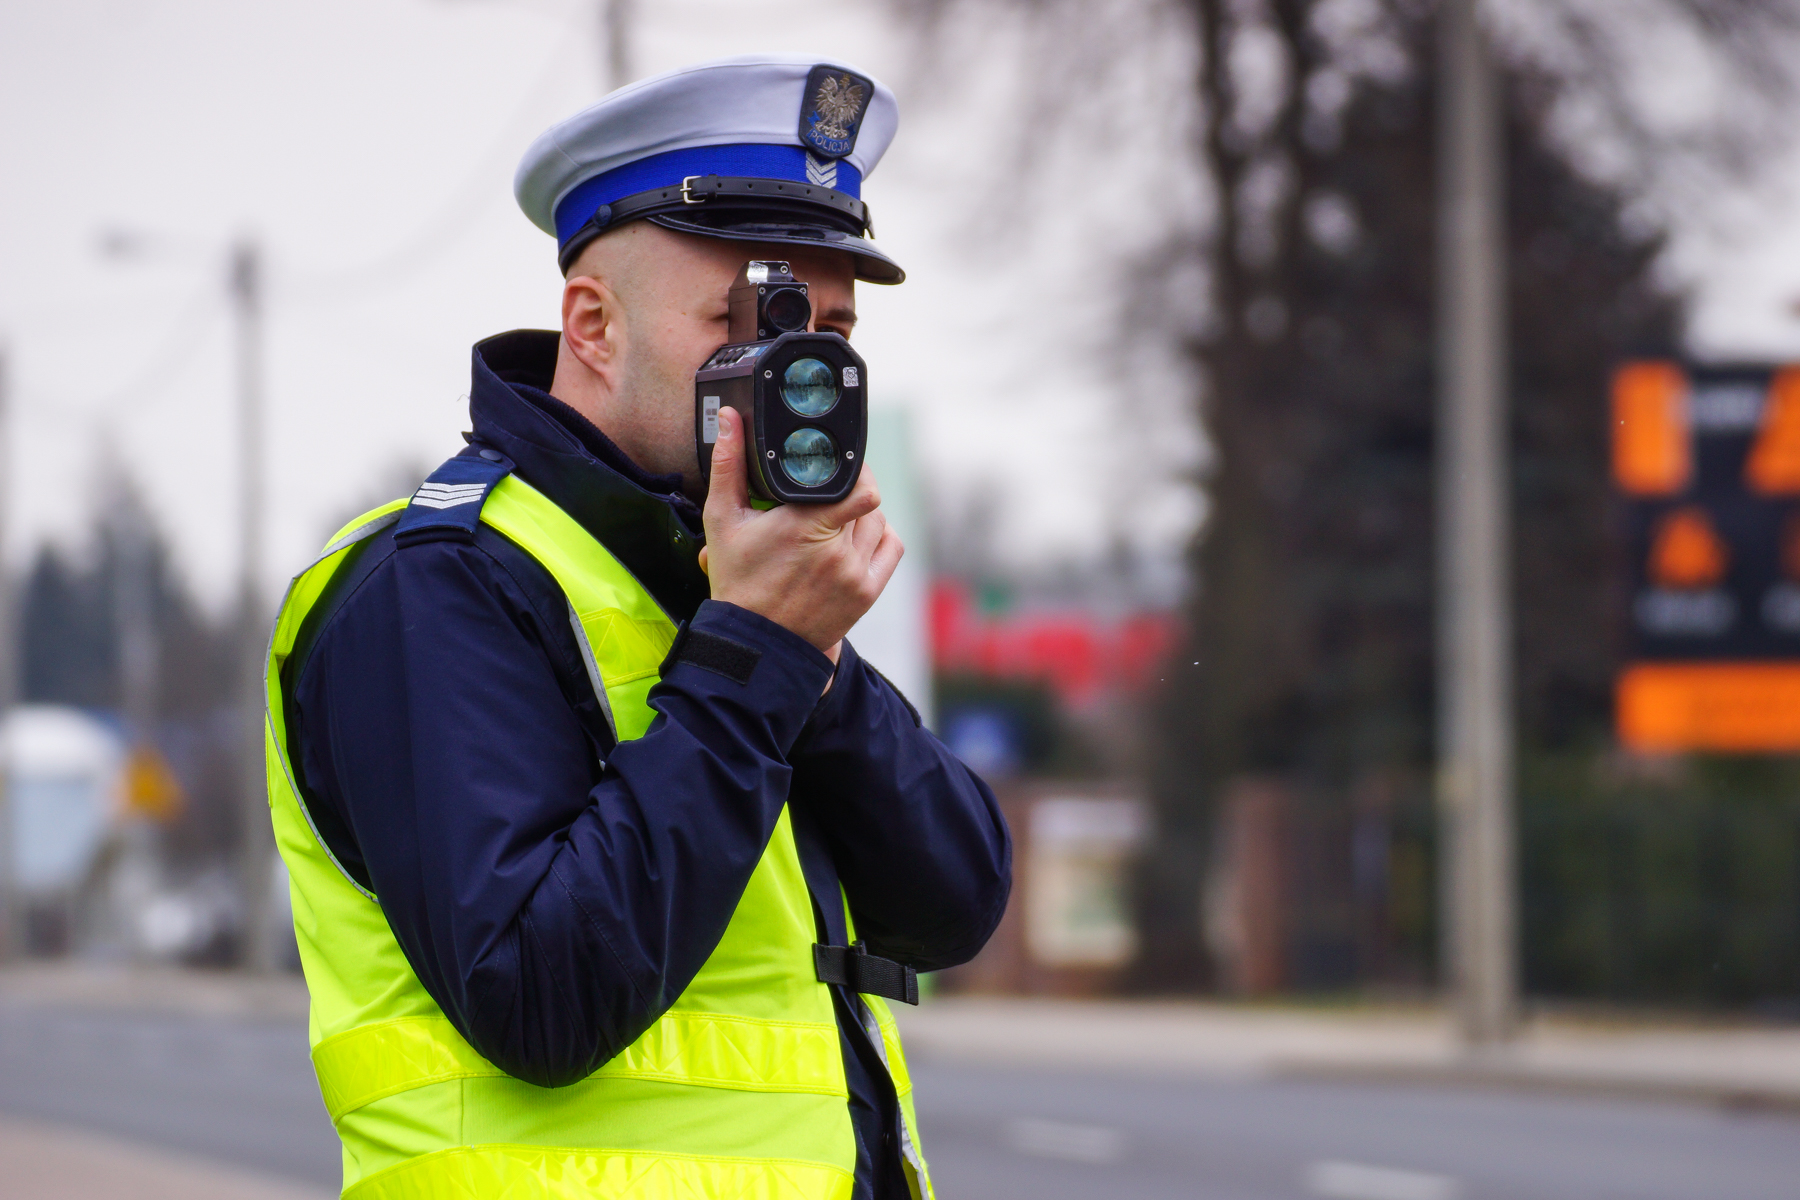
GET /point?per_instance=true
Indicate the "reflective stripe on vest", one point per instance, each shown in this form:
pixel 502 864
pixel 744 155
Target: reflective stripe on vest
pixel 486 1172
pixel 738 1090
pixel 362 1065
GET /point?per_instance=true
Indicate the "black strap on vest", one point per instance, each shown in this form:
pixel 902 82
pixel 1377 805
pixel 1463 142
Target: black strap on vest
pixel 855 968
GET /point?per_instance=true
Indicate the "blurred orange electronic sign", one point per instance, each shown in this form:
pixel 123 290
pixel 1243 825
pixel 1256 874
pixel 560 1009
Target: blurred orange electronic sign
pixel 1708 460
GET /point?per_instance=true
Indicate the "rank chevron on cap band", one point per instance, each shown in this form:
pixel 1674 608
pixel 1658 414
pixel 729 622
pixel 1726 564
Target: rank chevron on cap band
pixel 821 171
pixel 762 148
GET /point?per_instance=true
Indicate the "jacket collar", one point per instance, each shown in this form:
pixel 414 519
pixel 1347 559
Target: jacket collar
pixel 644 520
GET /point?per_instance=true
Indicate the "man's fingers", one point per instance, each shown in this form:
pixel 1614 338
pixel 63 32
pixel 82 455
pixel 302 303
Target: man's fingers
pixel 866 534
pixel 728 493
pixel 864 499
pixel 888 553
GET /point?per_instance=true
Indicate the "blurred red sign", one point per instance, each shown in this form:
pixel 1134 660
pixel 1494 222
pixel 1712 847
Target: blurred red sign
pixel 1081 655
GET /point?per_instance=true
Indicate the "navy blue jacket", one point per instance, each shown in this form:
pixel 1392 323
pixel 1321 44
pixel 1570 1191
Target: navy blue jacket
pixel 554 892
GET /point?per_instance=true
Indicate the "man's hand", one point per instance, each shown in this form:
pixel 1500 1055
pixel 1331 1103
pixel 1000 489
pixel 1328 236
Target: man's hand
pixel 813 569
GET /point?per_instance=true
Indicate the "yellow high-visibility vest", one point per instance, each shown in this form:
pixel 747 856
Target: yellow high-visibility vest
pixel 737 1091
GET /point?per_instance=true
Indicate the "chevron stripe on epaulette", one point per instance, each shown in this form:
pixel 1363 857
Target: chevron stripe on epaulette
pixel 447 506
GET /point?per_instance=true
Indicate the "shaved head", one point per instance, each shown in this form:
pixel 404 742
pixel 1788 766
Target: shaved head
pixel 619 258
pixel 643 308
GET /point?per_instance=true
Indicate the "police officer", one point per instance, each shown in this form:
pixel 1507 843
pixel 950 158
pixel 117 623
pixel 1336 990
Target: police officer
pixel 607 851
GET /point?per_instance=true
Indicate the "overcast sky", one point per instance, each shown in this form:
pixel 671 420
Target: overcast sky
pixel 370 147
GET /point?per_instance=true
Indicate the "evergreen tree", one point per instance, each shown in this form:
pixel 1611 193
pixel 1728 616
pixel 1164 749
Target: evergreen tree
pixel 70 652
pixel 70 632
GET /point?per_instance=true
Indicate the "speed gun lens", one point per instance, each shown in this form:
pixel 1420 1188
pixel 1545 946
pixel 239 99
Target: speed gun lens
pixel 807 387
pixel 809 457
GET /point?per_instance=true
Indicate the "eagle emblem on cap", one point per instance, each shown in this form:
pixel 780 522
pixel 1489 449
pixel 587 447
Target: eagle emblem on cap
pixel 832 111
pixel 838 104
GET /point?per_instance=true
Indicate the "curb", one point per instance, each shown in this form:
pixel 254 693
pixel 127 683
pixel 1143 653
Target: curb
pixel 1729 1097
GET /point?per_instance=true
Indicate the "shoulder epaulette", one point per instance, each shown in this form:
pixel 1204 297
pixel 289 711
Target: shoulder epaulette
pixel 447 506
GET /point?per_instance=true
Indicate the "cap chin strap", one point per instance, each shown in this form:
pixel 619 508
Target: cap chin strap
pixel 706 193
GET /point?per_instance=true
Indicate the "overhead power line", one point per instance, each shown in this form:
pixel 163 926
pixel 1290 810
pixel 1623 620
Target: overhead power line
pixel 148 386
pixel 434 236
pixel 167 362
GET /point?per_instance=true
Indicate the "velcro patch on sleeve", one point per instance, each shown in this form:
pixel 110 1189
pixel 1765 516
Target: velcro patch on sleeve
pixel 710 652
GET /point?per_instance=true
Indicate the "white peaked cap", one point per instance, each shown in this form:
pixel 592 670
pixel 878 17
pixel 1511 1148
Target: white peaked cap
pixel 770 147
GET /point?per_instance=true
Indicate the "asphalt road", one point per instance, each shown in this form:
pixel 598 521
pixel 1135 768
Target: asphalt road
pixel 238 1091
pixel 242 1092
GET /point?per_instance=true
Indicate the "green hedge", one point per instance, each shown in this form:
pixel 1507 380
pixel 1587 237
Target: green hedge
pixel 1676 884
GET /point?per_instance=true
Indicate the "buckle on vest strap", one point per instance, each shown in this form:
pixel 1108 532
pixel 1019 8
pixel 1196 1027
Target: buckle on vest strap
pixel 855 968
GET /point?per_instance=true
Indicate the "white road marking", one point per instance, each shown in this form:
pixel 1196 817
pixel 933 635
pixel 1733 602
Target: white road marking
pixel 1360 1181
pixel 1074 1143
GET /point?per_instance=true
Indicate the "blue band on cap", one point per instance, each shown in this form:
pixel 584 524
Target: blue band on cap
pixel 752 160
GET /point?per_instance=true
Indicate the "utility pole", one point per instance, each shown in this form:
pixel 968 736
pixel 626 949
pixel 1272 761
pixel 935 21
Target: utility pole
pixel 615 33
pixel 257 844
pixel 140 866
pixel 9 640
pixel 1475 728
pixel 134 608
pixel 12 929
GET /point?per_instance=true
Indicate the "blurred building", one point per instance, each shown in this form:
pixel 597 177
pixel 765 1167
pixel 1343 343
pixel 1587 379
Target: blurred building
pixel 1043 687
pixel 1069 928
pixel 62 771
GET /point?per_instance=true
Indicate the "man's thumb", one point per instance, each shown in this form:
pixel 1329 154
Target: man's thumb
pixel 729 488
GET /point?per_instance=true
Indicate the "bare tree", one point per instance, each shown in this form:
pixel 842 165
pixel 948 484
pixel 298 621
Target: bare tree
pixel 1292 280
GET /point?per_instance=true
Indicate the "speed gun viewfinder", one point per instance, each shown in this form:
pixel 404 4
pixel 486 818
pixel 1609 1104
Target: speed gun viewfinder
pixel 803 396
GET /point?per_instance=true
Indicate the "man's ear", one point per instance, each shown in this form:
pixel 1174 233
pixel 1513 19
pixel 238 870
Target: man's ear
pixel 592 327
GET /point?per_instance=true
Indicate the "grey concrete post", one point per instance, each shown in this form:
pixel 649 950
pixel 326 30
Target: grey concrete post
pixel 257 846
pixel 12 927
pixel 615 32
pixel 1475 727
